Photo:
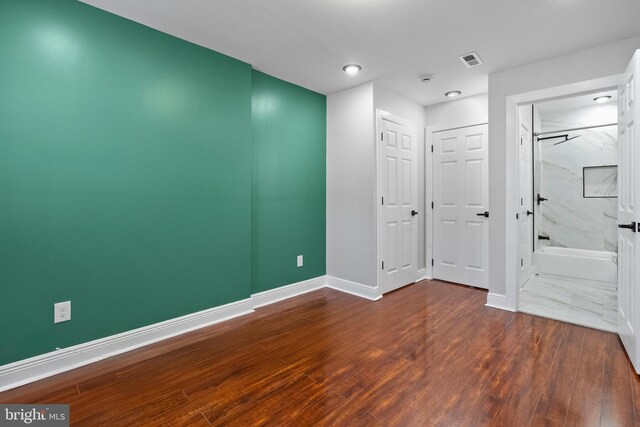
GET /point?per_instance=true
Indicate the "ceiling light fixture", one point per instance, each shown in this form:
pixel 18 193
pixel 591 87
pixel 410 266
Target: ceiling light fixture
pixel 453 94
pixel 602 99
pixel 352 69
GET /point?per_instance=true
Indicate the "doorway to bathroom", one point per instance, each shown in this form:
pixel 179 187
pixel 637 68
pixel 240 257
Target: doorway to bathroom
pixel 564 262
pixel 568 217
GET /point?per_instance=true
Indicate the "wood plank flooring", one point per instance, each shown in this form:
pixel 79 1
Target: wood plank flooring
pixel 430 354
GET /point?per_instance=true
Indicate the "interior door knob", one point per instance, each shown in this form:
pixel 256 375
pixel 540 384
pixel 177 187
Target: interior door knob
pixel 414 213
pixel 484 214
pixel 529 213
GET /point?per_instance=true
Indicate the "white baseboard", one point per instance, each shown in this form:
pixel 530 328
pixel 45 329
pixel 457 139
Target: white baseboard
pixel 354 288
pixel 278 294
pixel 43 366
pixel 421 274
pixel 53 363
pixel 498 301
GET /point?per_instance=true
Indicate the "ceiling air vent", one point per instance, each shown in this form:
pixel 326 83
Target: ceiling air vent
pixel 471 60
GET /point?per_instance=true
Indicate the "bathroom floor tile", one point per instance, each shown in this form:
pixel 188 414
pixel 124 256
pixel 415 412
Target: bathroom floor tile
pixel 582 302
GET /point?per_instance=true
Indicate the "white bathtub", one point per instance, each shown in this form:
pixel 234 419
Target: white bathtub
pixel 579 263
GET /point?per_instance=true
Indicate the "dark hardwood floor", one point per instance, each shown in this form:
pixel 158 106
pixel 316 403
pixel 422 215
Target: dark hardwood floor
pixel 429 354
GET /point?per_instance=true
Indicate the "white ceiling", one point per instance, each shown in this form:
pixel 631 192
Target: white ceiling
pixel 574 102
pixel 395 41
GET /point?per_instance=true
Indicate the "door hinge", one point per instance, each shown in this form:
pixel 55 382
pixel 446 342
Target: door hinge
pixel 431 205
pixel 521 262
pixel 381 136
pixel 382 200
pixel 432 262
pixel 383 265
pixel 432 148
pixel 517 216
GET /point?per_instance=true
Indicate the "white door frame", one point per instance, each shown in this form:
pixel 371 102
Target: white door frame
pixel 381 114
pixel 524 217
pixel 428 181
pixel 509 301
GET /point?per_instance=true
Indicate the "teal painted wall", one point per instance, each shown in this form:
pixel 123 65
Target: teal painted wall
pixel 289 183
pixel 125 176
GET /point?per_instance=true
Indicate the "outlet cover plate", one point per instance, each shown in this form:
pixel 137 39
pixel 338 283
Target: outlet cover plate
pixel 300 261
pixel 62 312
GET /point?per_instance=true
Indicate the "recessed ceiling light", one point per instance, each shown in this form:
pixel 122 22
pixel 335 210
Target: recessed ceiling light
pixel 453 94
pixel 352 69
pixel 602 99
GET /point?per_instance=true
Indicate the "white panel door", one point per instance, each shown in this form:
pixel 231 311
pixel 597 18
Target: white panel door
pixel 398 201
pixel 525 215
pixel 461 199
pixel 628 212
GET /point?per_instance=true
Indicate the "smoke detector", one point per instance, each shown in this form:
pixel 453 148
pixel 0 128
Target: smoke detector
pixel 471 60
pixel 426 78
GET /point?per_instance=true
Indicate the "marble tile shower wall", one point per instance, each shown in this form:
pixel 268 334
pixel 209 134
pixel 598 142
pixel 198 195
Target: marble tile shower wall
pixel 569 219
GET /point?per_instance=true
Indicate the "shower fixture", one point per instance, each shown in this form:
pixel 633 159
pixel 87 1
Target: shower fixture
pixel 538 134
pixel 565 136
pixel 552 137
pixel 567 139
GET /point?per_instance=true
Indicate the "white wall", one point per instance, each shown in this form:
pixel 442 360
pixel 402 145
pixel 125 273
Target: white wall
pixel 389 101
pixel 351 191
pixel 598 62
pixel 351 178
pixel 471 110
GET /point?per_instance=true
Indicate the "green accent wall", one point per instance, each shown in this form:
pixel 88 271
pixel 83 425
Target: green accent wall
pixel 289 183
pixel 143 177
pixel 125 176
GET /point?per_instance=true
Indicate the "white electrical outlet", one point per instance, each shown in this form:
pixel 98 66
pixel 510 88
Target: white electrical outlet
pixel 62 312
pixel 300 262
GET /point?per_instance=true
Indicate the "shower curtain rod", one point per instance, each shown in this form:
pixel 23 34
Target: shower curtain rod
pixel 574 129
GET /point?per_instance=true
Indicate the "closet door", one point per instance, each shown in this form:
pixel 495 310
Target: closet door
pixel 398 201
pixel 461 211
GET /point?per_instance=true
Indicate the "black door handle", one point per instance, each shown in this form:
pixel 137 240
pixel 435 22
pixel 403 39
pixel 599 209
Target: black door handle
pixel 484 214
pixel 543 237
pixel 631 226
pixel 541 199
pixel 414 213
pixel 529 213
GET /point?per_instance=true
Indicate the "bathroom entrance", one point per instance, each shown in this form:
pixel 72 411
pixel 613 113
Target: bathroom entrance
pixel 568 188
pixel 576 262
